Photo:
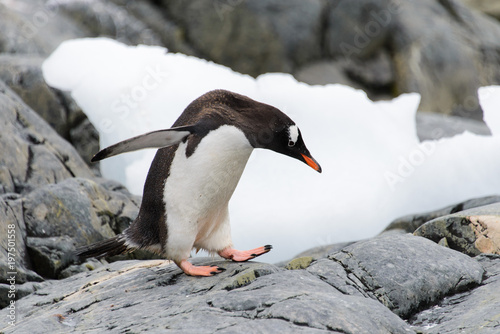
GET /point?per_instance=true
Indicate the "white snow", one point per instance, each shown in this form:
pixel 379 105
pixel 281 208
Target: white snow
pixel 374 167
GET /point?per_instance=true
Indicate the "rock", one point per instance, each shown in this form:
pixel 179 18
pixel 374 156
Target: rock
pixel 374 75
pixel 50 255
pixel 472 231
pixel 403 272
pixel 89 265
pixel 120 296
pixel 34 27
pixel 13 252
pixel 299 263
pixel 410 223
pixel 33 153
pixel 445 56
pixel 323 251
pixel 24 76
pixel 51 220
pixel 474 311
pixel 105 18
pixel 490 7
pixel 351 291
pixel 252 37
pixel 432 126
pixel 21 290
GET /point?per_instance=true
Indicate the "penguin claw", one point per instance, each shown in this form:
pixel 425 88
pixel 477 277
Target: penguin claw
pixel 240 256
pixel 192 270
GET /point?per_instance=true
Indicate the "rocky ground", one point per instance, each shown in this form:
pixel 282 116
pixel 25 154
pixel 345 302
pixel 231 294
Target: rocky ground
pixel 434 272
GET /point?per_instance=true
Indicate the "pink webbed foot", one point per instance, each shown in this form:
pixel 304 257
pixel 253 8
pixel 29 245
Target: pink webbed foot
pixel 239 256
pixel 192 270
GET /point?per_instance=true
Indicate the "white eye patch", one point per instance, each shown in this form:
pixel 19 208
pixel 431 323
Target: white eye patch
pixel 293 135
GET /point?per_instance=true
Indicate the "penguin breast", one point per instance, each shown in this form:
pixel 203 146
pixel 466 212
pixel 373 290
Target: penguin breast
pixel 199 187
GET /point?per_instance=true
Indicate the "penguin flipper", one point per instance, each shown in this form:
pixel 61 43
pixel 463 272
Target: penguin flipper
pixel 155 139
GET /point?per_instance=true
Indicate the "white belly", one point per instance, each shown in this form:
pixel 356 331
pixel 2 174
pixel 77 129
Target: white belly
pixel 198 190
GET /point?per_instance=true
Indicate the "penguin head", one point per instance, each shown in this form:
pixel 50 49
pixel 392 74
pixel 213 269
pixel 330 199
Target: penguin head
pixel 277 132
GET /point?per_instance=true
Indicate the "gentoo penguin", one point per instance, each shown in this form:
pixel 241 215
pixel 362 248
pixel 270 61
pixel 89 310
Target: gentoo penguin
pixel 193 175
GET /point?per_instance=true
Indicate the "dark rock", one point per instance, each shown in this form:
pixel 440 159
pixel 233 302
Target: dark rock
pixel 474 311
pixel 50 255
pixel 374 75
pixel 358 29
pixel 252 37
pixel 410 223
pixel 445 53
pixel 403 272
pixel 473 231
pixel 89 265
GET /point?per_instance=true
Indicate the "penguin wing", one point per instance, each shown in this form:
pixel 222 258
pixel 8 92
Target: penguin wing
pixel 155 139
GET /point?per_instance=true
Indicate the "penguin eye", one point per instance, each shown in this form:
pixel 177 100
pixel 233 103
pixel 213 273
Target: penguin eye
pixel 291 143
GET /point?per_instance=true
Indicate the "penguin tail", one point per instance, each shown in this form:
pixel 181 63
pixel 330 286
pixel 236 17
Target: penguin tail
pixel 109 247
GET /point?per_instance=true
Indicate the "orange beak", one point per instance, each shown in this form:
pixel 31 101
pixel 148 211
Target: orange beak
pixel 312 163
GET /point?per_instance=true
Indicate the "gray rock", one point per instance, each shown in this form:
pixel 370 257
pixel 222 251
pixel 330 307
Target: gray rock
pixel 432 126
pixel 403 272
pixel 121 296
pixel 410 223
pixel 475 311
pixel 24 76
pixel 50 255
pixel 473 231
pixel 20 291
pixel 490 7
pixel 351 291
pixel 51 220
pixel 32 151
pixel 34 27
pixel 375 75
pixel 445 53
pixel 323 251
pixel 252 37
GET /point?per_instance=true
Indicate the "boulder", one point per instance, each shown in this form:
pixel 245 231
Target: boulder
pixel 410 223
pixel 474 311
pixel 432 126
pixel 24 76
pixel 403 272
pixel 33 154
pixel 252 37
pixel 472 231
pixel 50 200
